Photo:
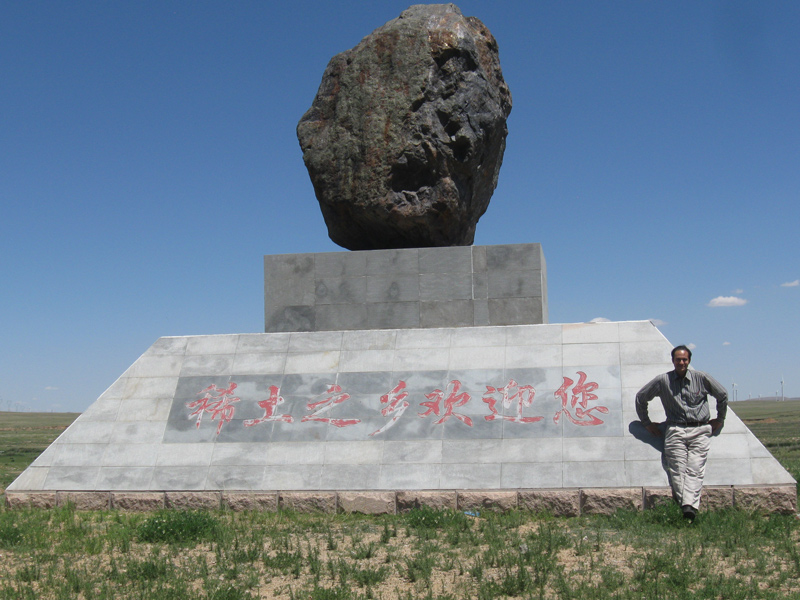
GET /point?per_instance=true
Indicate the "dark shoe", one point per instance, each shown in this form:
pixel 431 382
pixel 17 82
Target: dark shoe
pixel 689 513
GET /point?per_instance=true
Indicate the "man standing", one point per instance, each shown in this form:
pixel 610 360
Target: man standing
pixel 684 394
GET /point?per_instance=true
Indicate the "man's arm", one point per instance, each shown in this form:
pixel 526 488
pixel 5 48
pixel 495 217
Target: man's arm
pixel 647 393
pixel 721 395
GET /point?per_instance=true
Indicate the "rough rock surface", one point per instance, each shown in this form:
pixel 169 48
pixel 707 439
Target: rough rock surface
pixel 716 498
pixel 193 500
pixel 84 500
pixel 367 503
pixel 437 500
pixel 240 501
pixel 405 138
pixel 767 499
pixel 137 501
pixel 561 503
pixel 606 501
pixel 308 501
pixel 487 500
pixel 654 497
pixel 35 500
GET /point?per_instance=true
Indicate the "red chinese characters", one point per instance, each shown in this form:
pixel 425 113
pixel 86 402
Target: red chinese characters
pixel 510 394
pixel 579 403
pixel 269 405
pixel 453 400
pixel 335 396
pixel 511 402
pixel 216 401
pixel 394 402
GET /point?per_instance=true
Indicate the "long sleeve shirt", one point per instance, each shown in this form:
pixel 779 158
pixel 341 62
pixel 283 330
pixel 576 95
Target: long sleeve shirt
pixel 685 399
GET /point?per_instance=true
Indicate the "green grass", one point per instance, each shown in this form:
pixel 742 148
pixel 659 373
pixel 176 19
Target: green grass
pixel 777 425
pixel 178 527
pixel 629 555
pixel 24 436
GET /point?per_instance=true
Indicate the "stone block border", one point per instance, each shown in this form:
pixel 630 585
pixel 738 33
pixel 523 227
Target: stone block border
pixel 559 502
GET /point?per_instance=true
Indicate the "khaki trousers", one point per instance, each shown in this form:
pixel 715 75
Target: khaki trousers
pixel 686 450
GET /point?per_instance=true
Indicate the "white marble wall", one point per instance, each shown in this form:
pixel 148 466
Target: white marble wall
pixel 139 434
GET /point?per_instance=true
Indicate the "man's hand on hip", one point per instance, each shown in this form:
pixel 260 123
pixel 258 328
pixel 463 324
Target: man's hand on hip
pixel 716 425
pixel 654 430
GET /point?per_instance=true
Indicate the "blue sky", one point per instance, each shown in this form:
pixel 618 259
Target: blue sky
pixel 148 160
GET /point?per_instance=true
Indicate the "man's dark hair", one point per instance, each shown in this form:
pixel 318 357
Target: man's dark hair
pixel 681 347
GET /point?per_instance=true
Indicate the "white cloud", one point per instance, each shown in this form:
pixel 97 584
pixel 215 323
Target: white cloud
pixel 794 283
pixel 738 291
pixel 726 301
pixel 50 388
pixel 691 346
pixel 726 343
pixel 658 322
pixel 600 320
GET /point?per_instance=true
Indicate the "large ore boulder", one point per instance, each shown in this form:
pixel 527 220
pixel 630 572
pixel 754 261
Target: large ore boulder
pixel 405 138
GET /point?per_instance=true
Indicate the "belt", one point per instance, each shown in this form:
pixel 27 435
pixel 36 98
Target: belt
pixel 691 424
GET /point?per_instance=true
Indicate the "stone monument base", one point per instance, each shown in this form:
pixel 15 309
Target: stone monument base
pixel 564 503
pixel 535 416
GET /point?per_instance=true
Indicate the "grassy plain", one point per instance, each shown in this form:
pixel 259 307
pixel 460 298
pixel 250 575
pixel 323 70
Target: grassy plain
pixel 24 436
pixel 423 554
pixel 777 425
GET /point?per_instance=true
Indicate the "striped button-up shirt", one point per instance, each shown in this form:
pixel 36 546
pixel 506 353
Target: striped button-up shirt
pixel 685 399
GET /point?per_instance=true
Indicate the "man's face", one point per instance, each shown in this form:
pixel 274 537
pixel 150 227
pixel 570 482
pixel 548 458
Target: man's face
pixel 681 362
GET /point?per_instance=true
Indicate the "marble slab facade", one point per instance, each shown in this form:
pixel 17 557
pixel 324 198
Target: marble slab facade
pixel 409 288
pixel 512 407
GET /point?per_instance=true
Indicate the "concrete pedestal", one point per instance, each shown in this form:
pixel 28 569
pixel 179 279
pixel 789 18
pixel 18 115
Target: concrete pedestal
pixel 533 415
pixel 461 286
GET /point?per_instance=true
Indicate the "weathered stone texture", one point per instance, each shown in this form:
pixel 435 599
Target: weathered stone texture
pixel 654 497
pixel 405 138
pixel 606 501
pixel 767 499
pixel 239 501
pixel 84 500
pixel 193 500
pixel 32 500
pixel 481 500
pixel 367 503
pixel 137 501
pixel 561 503
pixel 408 500
pixel 715 498
pixel 308 501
